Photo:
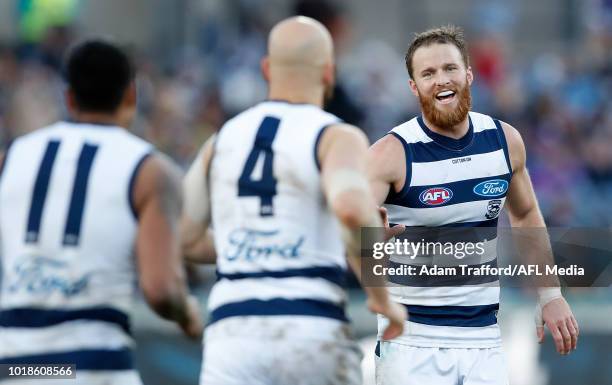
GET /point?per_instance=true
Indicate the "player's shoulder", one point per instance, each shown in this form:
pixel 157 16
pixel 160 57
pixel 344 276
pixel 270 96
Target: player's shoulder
pixel 344 132
pixel 408 132
pixel 38 134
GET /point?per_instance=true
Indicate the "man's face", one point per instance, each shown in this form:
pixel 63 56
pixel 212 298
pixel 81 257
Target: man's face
pixel 442 84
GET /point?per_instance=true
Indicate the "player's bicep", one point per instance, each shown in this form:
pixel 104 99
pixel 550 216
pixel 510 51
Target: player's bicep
pixel 386 167
pixel 158 201
pixel 521 199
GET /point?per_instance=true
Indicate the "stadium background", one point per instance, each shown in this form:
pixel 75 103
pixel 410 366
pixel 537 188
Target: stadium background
pixel 544 66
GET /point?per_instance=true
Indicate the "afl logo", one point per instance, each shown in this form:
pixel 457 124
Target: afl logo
pixel 436 196
pixel 491 188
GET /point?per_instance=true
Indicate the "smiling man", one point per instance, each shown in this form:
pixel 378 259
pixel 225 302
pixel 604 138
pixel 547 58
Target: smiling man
pixel 454 167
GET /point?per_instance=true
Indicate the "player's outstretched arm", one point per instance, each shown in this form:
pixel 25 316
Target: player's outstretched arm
pixel 343 155
pixel 197 242
pixel 523 211
pixel 157 199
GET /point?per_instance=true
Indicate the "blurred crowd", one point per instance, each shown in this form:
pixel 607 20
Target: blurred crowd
pixel 560 102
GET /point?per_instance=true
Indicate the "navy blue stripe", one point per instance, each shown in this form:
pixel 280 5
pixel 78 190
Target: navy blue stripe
pixel 487 223
pixel 278 307
pixel 39 195
pixel 377 349
pixel 462 316
pixel 446 141
pixel 91 359
pixel 72 231
pixel 455 278
pixel 39 318
pixel 316 145
pixel 462 192
pixel 332 274
pixel 417 234
pixel 482 143
pixel 504 143
pixel 132 183
pixel 392 193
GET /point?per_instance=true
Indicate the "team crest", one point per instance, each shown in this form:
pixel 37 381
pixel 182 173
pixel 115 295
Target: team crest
pixel 493 208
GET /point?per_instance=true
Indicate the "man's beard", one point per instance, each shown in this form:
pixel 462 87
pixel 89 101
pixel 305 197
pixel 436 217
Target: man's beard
pixel 443 119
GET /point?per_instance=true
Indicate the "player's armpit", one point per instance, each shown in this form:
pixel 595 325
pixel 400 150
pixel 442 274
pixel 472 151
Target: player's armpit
pixel 196 239
pixel 386 167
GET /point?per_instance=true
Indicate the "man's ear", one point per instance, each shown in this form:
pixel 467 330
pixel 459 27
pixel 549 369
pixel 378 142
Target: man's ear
pixel 70 100
pixel 329 74
pixel 469 76
pixel 265 68
pixel 413 88
pixel 130 95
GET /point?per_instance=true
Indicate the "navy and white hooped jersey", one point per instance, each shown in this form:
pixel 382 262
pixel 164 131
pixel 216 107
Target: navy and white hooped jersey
pixel 279 249
pixel 459 183
pixel 68 228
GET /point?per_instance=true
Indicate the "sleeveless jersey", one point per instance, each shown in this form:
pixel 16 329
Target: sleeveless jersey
pixel 68 228
pixel 280 257
pixel 460 183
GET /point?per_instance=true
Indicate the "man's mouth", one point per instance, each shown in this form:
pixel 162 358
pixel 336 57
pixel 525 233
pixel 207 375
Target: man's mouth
pixel 446 96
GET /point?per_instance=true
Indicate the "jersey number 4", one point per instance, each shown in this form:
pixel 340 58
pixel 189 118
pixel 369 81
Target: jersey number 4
pixel 265 187
pixel 72 230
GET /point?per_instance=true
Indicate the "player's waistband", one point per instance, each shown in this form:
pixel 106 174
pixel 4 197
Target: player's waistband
pixel 84 359
pixel 279 307
pixel 30 317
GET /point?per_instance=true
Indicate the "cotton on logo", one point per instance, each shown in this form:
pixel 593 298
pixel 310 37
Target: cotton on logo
pixel 435 196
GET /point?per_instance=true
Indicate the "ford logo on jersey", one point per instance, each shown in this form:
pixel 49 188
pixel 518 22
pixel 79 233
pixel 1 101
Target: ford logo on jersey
pixel 436 196
pixel 491 188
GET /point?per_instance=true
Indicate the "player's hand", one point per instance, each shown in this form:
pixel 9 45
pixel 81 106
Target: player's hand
pixel 390 232
pixel 558 317
pixel 395 313
pixel 193 325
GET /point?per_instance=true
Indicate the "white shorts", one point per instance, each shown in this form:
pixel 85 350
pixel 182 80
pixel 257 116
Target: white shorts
pixel 398 364
pixel 123 377
pixel 239 361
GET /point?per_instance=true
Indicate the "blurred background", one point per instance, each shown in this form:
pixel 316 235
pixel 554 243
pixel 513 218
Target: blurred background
pixel 543 66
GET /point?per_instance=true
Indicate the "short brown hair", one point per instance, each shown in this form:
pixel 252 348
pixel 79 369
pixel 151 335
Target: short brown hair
pixel 448 34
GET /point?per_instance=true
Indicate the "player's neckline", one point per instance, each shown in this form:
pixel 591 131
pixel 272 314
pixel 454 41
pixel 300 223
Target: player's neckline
pixel 288 102
pixel 446 141
pixel 98 125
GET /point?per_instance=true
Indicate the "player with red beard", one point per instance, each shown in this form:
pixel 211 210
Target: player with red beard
pixel 451 167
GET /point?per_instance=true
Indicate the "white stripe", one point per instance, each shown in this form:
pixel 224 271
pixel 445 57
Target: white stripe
pixel 437 216
pixel 482 122
pixel 446 296
pixel 416 334
pixel 443 171
pixel 228 291
pixel 67 336
pixel 411 132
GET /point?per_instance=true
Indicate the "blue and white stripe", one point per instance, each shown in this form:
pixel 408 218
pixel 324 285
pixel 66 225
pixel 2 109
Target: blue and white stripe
pixel 452 311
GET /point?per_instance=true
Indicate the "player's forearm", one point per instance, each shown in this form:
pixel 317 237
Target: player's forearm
pixel 533 243
pixel 169 300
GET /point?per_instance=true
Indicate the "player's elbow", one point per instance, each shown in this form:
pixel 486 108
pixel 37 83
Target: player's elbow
pixel 351 210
